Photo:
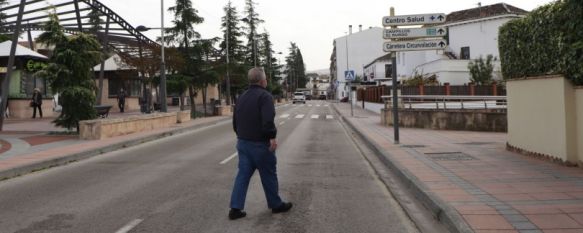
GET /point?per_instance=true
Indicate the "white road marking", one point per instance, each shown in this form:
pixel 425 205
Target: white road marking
pixel 327 105
pixel 309 105
pixel 284 116
pixel 300 116
pixel 281 123
pixel 229 158
pixel 315 116
pixel 329 117
pixel 318 105
pixel 127 228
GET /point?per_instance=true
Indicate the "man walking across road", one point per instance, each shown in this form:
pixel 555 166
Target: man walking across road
pixel 253 122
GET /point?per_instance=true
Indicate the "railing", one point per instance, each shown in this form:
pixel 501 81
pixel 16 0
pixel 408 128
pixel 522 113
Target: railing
pixel 447 102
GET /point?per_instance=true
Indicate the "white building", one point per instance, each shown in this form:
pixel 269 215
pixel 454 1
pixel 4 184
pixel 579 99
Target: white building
pixel 353 52
pixel 473 33
pixel 380 70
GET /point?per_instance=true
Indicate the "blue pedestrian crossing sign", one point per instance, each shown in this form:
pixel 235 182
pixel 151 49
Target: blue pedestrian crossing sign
pixel 349 75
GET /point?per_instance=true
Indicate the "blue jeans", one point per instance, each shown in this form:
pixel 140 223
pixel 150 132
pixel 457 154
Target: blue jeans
pixel 255 156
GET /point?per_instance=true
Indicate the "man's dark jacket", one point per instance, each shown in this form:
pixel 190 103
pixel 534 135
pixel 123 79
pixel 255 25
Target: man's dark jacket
pixel 254 115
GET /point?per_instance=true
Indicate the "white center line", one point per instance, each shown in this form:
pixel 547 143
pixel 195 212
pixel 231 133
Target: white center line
pixel 326 105
pixel 329 117
pixel 318 105
pixel 309 105
pixel 315 116
pixel 127 228
pixel 300 116
pixel 284 116
pixel 229 158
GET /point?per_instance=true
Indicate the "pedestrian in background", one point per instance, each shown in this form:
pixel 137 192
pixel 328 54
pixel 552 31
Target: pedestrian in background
pixel 37 102
pixel 121 100
pixel 253 122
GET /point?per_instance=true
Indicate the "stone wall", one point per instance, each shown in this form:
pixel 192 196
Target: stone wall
pixel 20 108
pixel 107 128
pixel 469 120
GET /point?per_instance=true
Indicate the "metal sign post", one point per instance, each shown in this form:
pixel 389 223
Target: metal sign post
pixel 350 76
pixel 403 39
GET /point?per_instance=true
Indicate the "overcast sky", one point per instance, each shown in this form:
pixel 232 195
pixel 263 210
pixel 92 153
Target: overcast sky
pixel 312 24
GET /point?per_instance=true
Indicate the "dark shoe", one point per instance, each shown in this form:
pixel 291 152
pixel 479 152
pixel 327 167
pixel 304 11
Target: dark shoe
pixel 236 214
pixel 284 207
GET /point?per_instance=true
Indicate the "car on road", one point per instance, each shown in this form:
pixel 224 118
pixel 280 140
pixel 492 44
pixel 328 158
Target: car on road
pixel 299 97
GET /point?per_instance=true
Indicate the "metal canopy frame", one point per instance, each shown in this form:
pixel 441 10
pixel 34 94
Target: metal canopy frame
pixel 114 32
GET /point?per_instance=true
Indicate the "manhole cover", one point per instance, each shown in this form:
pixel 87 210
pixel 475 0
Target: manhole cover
pixel 413 146
pixel 450 156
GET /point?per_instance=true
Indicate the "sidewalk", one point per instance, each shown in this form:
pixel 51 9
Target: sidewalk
pixel 32 144
pixel 472 183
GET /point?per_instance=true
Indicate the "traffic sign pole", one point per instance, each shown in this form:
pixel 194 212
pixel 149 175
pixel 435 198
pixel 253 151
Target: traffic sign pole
pixel 395 90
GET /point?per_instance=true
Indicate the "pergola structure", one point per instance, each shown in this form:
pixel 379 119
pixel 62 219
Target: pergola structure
pixel 87 16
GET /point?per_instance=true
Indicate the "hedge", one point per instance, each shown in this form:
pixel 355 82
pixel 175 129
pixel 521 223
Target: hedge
pixel 548 41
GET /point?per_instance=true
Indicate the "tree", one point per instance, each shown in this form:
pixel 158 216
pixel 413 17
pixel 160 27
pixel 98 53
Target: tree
pixel 95 21
pixel 69 72
pixel 185 17
pixel 290 67
pixel 481 71
pixel 295 68
pixel 208 56
pixel 252 20
pixel 231 33
pixel 300 69
pixel 269 62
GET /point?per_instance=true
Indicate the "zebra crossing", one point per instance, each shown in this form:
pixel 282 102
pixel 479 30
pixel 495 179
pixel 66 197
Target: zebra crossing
pixel 303 116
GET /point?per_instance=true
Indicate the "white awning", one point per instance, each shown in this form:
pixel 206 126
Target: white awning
pixel 114 63
pixel 21 51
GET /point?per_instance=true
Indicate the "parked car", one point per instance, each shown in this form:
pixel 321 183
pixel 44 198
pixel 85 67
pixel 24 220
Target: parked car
pixel 344 100
pixel 323 97
pixel 299 97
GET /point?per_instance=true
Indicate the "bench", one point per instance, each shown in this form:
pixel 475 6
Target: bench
pixel 103 110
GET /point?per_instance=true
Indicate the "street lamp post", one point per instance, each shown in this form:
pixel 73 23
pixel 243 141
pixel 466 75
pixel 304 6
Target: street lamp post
pixel 163 107
pixel 141 28
pixel 228 74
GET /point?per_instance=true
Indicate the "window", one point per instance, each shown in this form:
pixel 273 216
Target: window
pixel 133 87
pixel 388 71
pixel 465 53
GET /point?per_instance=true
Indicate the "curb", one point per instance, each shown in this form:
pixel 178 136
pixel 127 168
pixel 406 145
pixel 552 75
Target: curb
pixel 439 209
pixel 71 158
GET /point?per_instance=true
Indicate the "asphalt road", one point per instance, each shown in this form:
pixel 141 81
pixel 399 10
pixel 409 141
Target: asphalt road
pixel 183 184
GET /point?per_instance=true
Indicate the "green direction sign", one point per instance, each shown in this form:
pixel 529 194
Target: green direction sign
pixel 401 33
pixel 414 45
pixel 424 19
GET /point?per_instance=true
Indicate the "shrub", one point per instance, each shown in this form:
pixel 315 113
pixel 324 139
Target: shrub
pixel 548 41
pixel 481 71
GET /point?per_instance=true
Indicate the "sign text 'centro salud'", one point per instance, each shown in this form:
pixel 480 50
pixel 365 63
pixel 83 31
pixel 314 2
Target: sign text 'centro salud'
pixel 405 20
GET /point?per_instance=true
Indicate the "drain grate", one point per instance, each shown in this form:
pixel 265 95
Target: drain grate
pixel 475 143
pixel 413 146
pixel 450 156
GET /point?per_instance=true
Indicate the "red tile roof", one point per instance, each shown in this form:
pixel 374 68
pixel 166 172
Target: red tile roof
pixel 484 12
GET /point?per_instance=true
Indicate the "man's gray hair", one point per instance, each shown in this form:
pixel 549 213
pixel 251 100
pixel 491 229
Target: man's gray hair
pixel 255 75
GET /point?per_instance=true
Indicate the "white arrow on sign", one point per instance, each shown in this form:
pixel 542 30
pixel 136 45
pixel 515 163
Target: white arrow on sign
pixel 414 45
pixel 424 19
pixel 396 33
